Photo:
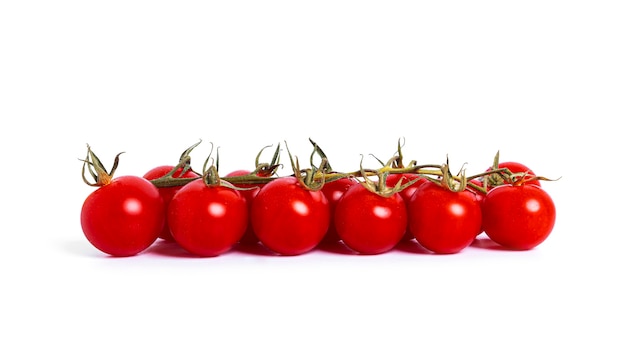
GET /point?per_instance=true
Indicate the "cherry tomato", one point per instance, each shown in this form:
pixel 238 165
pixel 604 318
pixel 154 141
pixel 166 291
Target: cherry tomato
pixel 288 218
pixel 515 167
pixel 368 222
pixel 207 220
pixel 518 217
pixel 444 221
pixel 333 191
pixel 123 217
pixel 393 179
pixel 167 192
pixel 248 237
pixel 480 197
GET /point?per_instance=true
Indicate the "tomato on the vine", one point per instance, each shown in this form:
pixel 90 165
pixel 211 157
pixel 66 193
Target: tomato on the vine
pixel 123 217
pixel 167 193
pixel 207 220
pixel 370 223
pixel 333 191
pixel 291 215
pixel 518 217
pixel 444 221
pixel 288 218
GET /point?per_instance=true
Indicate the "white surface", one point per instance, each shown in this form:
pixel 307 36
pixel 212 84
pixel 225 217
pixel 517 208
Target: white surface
pixel 541 81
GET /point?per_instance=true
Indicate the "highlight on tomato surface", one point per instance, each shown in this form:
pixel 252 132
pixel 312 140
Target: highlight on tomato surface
pixel 368 210
pixel 369 222
pixel 518 217
pixel 444 221
pixel 124 215
pixel 288 218
pixel 207 219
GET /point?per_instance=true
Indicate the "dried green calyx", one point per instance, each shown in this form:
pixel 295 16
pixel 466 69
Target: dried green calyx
pixel 96 169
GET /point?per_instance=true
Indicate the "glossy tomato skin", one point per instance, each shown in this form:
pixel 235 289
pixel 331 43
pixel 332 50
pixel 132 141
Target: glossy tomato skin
pixel 333 191
pixel 443 221
pixel 369 223
pixel 124 217
pixel 207 220
pixel 249 237
pixel 518 217
pixel 289 219
pixel 167 193
pixel 393 179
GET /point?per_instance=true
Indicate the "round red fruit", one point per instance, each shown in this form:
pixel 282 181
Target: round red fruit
pixel 207 220
pixel 288 218
pixel 123 217
pixel 444 221
pixel 368 222
pixel 518 217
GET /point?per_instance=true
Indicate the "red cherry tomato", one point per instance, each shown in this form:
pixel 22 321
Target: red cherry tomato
pixel 249 237
pixel 333 191
pixel 444 221
pixel 288 218
pixel 393 179
pixel 518 217
pixel 207 220
pixel 167 192
pixel 370 223
pixel 516 167
pixel 123 217
pixel 480 197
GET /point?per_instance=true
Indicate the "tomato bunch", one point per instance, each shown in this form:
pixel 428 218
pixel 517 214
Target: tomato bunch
pixel 368 211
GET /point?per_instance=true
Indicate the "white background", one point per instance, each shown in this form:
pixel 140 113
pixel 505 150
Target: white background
pixel 543 82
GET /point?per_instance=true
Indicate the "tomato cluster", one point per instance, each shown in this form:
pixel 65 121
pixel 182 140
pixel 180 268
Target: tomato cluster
pixel 369 211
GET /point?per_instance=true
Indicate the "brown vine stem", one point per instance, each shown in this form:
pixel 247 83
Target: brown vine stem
pixel 425 170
